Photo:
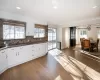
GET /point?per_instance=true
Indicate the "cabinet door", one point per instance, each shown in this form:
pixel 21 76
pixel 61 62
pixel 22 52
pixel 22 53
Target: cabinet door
pixel 26 52
pixel 19 55
pixel 43 49
pixel 46 45
pixel 3 61
pixel 12 57
pixel 33 49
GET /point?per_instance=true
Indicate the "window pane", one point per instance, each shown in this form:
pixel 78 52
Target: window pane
pixel 17 32
pixel 11 33
pixel 8 32
pixel 49 38
pixel 36 35
pixel 83 34
pixel 5 32
pixel 41 33
pixel 54 38
pixel 54 44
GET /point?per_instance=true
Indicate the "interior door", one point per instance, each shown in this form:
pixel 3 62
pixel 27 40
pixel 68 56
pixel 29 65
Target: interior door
pixel 72 36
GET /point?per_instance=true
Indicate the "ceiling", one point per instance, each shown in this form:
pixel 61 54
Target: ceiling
pixel 66 11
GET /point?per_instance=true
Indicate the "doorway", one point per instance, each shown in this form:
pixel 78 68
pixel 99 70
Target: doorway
pixel 72 36
pixel 52 32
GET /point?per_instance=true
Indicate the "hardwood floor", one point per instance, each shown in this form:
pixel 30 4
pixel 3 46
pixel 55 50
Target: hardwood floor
pixel 47 68
pixel 44 68
pixel 88 60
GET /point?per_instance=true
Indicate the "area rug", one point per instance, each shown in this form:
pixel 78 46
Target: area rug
pixel 93 54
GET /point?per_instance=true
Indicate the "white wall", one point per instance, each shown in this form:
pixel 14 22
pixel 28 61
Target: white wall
pixel 63 35
pixel 59 35
pixel 93 33
pixel 30 21
pixel 66 38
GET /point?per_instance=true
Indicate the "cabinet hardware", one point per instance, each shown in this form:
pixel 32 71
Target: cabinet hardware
pixel 6 56
pixel 16 54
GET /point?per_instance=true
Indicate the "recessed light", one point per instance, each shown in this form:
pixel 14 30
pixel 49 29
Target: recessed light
pixel 18 8
pixel 94 6
pixel 55 7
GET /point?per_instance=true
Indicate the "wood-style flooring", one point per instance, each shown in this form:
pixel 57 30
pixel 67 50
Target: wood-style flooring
pixel 47 68
pixel 88 60
pixel 44 68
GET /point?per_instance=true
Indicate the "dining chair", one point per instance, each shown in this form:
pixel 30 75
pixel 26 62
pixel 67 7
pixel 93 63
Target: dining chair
pixel 95 46
pixel 86 44
pixel 81 40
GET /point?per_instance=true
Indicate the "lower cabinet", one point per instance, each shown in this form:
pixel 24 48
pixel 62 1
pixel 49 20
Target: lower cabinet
pixel 17 55
pixel 13 56
pixel 3 61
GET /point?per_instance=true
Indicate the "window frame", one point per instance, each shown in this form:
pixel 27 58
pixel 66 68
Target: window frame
pixel 39 26
pixel 13 23
pixel 98 33
pixel 39 32
pixel 81 33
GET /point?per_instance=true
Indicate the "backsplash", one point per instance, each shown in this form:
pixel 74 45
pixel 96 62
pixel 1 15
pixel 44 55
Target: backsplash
pixel 27 40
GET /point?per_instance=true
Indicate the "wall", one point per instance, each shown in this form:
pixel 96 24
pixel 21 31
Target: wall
pixel 63 36
pixel 59 35
pixel 30 21
pixel 93 33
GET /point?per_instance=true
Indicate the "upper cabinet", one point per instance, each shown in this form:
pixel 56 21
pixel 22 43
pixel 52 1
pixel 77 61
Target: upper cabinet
pixel 40 31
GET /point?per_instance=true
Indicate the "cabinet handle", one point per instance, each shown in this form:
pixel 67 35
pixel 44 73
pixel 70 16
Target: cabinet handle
pixel 16 54
pixel 6 56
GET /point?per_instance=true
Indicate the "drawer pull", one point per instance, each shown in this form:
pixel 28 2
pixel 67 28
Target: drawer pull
pixel 6 56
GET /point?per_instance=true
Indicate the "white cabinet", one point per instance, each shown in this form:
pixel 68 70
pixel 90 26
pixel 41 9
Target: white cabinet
pixel 46 47
pixel 3 61
pixel 13 54
pixel 17 55
pixel 34 51
pixel 26 52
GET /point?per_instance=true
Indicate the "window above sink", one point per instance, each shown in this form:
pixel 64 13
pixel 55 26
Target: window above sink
pixel 40 31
